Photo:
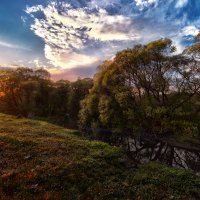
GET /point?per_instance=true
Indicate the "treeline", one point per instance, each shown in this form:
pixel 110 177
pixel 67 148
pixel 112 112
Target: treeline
pixel 146 90
pixel 31 93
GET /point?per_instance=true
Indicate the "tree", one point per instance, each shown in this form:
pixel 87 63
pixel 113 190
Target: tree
pixel 19 88
pixel 146 89
pixel 194 49
pixel 31 93
pixel 79 90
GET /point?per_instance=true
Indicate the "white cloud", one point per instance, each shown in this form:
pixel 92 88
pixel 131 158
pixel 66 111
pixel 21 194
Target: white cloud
pixel 68 60
pixel 181 3
pixel 190 31
pixel 66 34
pixel 184 32
pixel 97 25
pixel 103 3
pixel 85 31
pixel 33 9
pixel 145 3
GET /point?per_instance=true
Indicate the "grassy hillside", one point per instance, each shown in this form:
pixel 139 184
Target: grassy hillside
pixel 39 160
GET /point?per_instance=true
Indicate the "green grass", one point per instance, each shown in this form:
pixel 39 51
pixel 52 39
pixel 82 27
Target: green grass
pixel 39 160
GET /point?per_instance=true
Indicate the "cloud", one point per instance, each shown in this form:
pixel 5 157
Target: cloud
pixel 82 24
pixel 190 30
pixel 79 34
pixel 181 3
pixel 103 3
pixel 9 67
pixel 145 3
pixel 11 45
pixel 72 74
pixel 33 9
pixel 69 32
pixel 68 60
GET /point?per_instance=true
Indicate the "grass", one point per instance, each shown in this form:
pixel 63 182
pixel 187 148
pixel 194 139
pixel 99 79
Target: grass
pixel 39 160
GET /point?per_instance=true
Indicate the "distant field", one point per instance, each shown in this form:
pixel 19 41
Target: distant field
pixel 39 160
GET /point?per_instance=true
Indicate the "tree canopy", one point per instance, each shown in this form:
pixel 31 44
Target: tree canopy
pixel 31 93
pixel 146 89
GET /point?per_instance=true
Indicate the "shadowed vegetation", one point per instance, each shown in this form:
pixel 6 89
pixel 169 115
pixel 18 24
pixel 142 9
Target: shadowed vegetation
pixel 146 90
pixel 43 161
pixel 31 93
pixel 146 100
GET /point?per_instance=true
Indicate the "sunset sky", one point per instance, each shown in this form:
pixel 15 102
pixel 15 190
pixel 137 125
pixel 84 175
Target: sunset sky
pixel 71 38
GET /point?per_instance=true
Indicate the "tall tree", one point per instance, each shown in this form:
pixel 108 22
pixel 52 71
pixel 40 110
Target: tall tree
pixel 146 89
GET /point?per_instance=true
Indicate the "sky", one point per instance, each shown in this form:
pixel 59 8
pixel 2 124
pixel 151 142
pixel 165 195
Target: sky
pixel 70 38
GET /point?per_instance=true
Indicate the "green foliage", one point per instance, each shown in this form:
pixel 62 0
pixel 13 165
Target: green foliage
pixel 31 93
pixel 146 88
pixel 156 181
pixel 79 90
pixel 161 46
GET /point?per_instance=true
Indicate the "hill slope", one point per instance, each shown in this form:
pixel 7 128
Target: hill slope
pixel 39 160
